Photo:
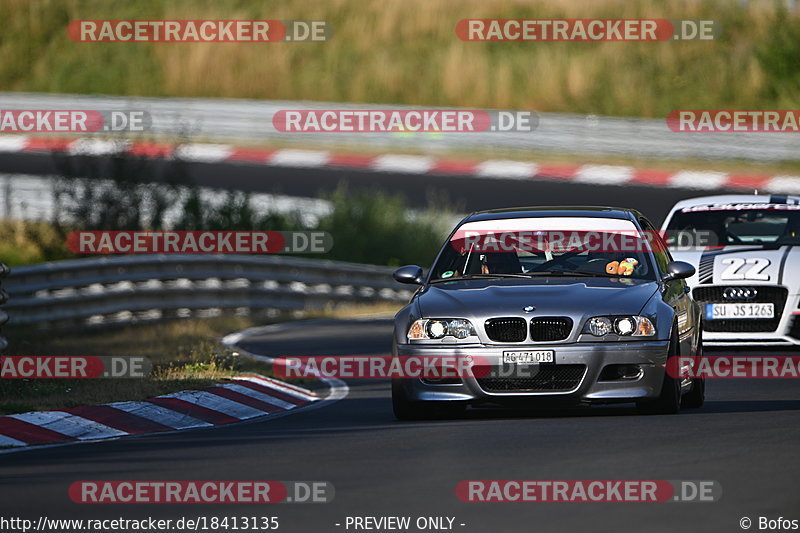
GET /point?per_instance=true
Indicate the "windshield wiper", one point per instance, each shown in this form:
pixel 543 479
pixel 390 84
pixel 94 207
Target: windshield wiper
pixel 558 272
pixel 481 276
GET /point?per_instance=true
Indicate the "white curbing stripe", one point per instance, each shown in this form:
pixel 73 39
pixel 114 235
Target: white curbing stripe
pixel 97 147
pixel 162 415
pixel 412 164
pixel 274 385
pixel 13 143
pixel 604 174
pixel 68 428
pixel 692 179
pixel 498 168
pixel 217 403
pixel 9 442
pixel 784 184
pixel 299 158
pixel 69 425
pixel 204 153
pixel 266 398
pixel 269 382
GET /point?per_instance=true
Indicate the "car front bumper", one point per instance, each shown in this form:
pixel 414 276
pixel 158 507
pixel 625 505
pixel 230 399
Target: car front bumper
pixel 649 356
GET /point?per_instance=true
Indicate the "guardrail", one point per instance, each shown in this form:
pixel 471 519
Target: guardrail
pixel 4 270
pixel 250 121
pixel 114 290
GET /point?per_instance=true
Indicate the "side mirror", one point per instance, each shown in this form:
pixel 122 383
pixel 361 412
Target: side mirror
pixel 410 274
pixel 678 270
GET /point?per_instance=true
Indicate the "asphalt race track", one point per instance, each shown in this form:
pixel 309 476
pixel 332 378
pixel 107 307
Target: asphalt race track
pixel 744 438
pixel 463 193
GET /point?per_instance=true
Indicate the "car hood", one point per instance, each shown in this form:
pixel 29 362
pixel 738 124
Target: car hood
pixel 573 297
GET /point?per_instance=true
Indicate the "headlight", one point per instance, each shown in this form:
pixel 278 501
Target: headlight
pixel 439 328
pixel 624 326
pixel 599 326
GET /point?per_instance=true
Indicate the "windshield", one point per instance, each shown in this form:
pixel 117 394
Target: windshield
pixel 556 246
pixel 731 224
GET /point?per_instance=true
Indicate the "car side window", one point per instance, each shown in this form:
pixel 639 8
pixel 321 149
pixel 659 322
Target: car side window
pixel 660 250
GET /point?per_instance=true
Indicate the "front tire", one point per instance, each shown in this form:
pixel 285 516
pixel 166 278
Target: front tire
pixel 697 396
pixel 669 401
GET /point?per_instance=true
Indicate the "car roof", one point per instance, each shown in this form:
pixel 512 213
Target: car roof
pixel 737 199
pixel 554 211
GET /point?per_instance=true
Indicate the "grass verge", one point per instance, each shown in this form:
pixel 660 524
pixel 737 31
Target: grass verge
pixel 408 53
pixel 185 354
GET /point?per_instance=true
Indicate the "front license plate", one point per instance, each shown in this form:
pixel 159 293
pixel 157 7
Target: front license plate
pixel 529 358
pixel 729 311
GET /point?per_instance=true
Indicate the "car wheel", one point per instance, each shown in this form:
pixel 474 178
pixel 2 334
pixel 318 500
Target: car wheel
pixel 669 401
pixel 405 409
pixel 697 396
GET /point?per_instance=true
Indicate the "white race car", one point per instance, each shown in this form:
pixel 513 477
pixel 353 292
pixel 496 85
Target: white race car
pixel 747 253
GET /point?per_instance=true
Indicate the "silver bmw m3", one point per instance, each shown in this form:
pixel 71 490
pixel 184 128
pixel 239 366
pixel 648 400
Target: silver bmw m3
pixel 550 306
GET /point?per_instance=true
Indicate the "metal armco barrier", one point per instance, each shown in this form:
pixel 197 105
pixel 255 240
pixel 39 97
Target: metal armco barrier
pixel 114 290
pixel 4 270
pixel 240 120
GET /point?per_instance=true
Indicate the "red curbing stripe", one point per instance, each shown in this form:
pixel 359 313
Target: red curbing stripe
pixel 651 176
pixel 151 149
pixel 243 399
pixel 350 160
pixel 46 144
pixel 748 181
pixel 118 419
pixel 557 171
pixel 454 166
pixel 284 384
pixel 253 155
pixel 270 391
pixel 30 433
pixel 196 411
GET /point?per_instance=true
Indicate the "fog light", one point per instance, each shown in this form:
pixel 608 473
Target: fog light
pixel 620 372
